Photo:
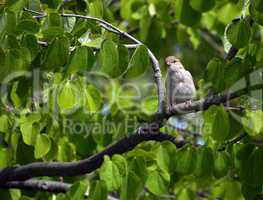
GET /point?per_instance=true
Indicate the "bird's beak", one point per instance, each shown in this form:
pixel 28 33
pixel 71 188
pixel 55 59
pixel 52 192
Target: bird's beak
pixel 168 62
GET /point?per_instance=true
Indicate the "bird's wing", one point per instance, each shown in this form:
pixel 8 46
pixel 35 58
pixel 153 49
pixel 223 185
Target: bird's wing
pixel 184 91
pixel 170 85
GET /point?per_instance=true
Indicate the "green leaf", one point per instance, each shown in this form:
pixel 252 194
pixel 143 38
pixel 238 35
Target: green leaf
pixel 10 42
pixel 18 5
pixel 96 8
pixel 185 160
pixel 235 68
pixel 256 15
pixel 7 23
pixel 202 5
pixel 13 60
pixel 15 139
pixel 68 97
pixel 66 150
pixel 251 169
pixel 139 62
pixel 128 7
pixel 79 28
pixel 139 167
pixel 252 122
pixel 186 194
pixel 156 183
pixel 110 58
pixel 29 128
pixel 29 133
pixel 82 60
pixel 238 33
pixel 31 118
pixel 77 191
pixel 55 20
pixel 232 190
pixel 131 187
pixel 57 53
pixel 185 14
pixel 123 58
pixel 109 172
pixel 220 123
pixel 222 164
pixel 4 124
pixel 121 163
pixel 51 33
pixel 205 162
pixel 30 42
pixel 28 26
pixel 94 43
pixel 251 192
pixel 5 157
pixel 51 3
pixel 215 74
pixel 42 146
pixel 162 158
pixel 99 192
pixel 93 99
pixel 258 4
pixel 145 27
pixel 69 24
pixel 149 105
pixel 227 12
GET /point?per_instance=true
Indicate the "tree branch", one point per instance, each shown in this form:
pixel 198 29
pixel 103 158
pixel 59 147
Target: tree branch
pixel 114 29
pixel 39 185
pixel 42 185
pixel 14 175
pixel 45 44
pixel 233 141
pixel 231 53
pixel 124 145
pixel 83 166
pixel 182 108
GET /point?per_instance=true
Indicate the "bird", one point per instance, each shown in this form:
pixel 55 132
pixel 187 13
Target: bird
pixel 179 83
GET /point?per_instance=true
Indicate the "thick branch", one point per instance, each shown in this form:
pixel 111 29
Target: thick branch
pixel 42 185
pixel 80 167
pixel 124 145
pixel 38 185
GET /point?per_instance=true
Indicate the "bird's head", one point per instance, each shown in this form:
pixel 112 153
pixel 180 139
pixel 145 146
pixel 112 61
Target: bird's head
pixel 172 61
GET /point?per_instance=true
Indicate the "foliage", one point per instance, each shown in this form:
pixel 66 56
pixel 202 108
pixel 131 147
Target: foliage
pixel 70 88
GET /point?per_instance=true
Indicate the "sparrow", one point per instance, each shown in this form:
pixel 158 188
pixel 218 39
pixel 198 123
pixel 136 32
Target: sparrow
pixel 179 83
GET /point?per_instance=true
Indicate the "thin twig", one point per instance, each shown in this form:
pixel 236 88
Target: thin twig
pixel 45 44
pixel 233 141
pixel 114 29
pixel 38 15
